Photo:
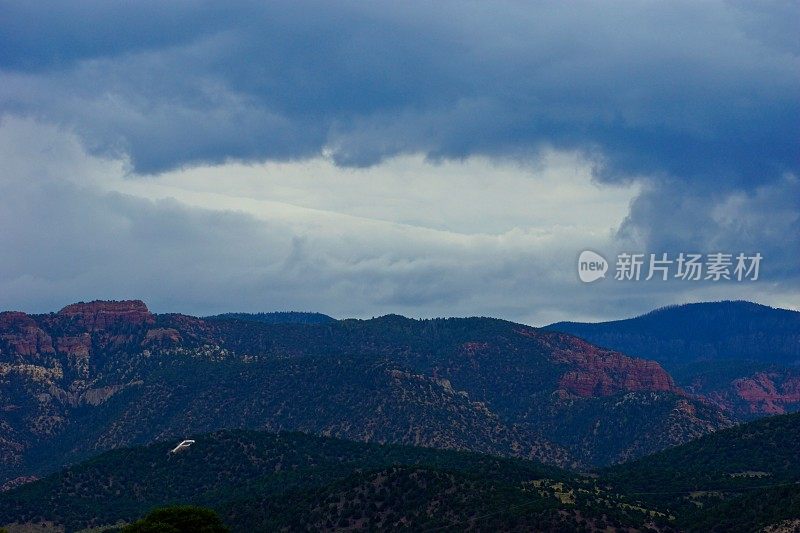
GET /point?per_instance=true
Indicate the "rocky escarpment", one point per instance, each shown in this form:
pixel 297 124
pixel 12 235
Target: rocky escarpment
pixel 53 363
pixel 769 393
pixel 102 315
pixel 69 338
pixel 772 391
pixel 17 482
pixel 594 371
pixel 603 372
pixel 21 336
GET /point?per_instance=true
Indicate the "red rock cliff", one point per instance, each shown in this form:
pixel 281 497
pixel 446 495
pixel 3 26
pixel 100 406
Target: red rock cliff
pixel 599 372
pixel 23 336
pixel 99 315
pixel 766 393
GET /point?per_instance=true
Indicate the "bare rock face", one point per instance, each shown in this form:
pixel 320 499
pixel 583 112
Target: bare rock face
pixel 22 336
pixel 100 315
pixel 75 346
pixel 17 482
pixel 786 526
pixel 605 375
pixel 50 364
pixel 70 337
pixel 162 337
pixel 599 372
pixel 26 338
pixel 78 349
pixel 766 394
pixel 96 397
pixel 771 391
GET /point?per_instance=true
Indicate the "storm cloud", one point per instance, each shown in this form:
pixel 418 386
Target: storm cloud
pixel 690 89
pixel 694 101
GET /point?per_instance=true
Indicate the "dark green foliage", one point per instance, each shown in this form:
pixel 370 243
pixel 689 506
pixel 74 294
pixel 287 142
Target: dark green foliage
pixel 752 511
pixel 381 379
pixel 615 429
pixel 711 331
pixel 259 481
pixel 474 384
pixel 178 519
pixel 743 476
pixel 477 384
pixel 769 446
pixel 277 317
pixel 737 480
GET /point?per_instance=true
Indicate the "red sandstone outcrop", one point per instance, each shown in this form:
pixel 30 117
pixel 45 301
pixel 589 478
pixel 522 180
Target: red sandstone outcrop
pixel 22 336
pixel 599 372
pixel 75 346
pixel 17 482
pixel 162 337
pixel 100 315
pixel 604 375
pixel 765 395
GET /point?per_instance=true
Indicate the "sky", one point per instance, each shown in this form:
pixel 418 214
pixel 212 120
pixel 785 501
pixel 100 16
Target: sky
pixel 422 158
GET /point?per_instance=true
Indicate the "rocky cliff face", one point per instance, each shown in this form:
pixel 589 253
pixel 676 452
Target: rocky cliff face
pixel 102 315
pixel 769 393
pixel 21 336
pixel 772 391
pixel 747 390
pixel 52 364
pixel 599 372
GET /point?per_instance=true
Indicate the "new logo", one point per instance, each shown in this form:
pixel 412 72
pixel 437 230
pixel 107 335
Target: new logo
pixel 591 266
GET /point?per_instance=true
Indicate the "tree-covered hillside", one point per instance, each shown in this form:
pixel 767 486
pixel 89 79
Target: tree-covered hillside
pixel 277 317
pixel 743 477
pixel 261 481
pixel 708 331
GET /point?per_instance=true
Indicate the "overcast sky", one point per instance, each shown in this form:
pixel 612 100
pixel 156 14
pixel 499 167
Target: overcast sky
pixel 423 158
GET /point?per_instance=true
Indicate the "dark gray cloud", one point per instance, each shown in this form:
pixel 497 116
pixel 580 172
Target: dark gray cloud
pixel 764 220
pixel 694 90
pixel 696 99
pixel 67 236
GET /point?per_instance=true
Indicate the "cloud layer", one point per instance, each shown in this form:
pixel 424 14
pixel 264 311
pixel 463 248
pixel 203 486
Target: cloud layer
pixel 694 103
pixel 688 89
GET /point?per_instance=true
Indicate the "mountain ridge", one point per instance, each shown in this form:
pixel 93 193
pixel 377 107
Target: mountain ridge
pixel 276 317
pixel 741 479
pixel 267 481
pixel 101 375
pixel 755 347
